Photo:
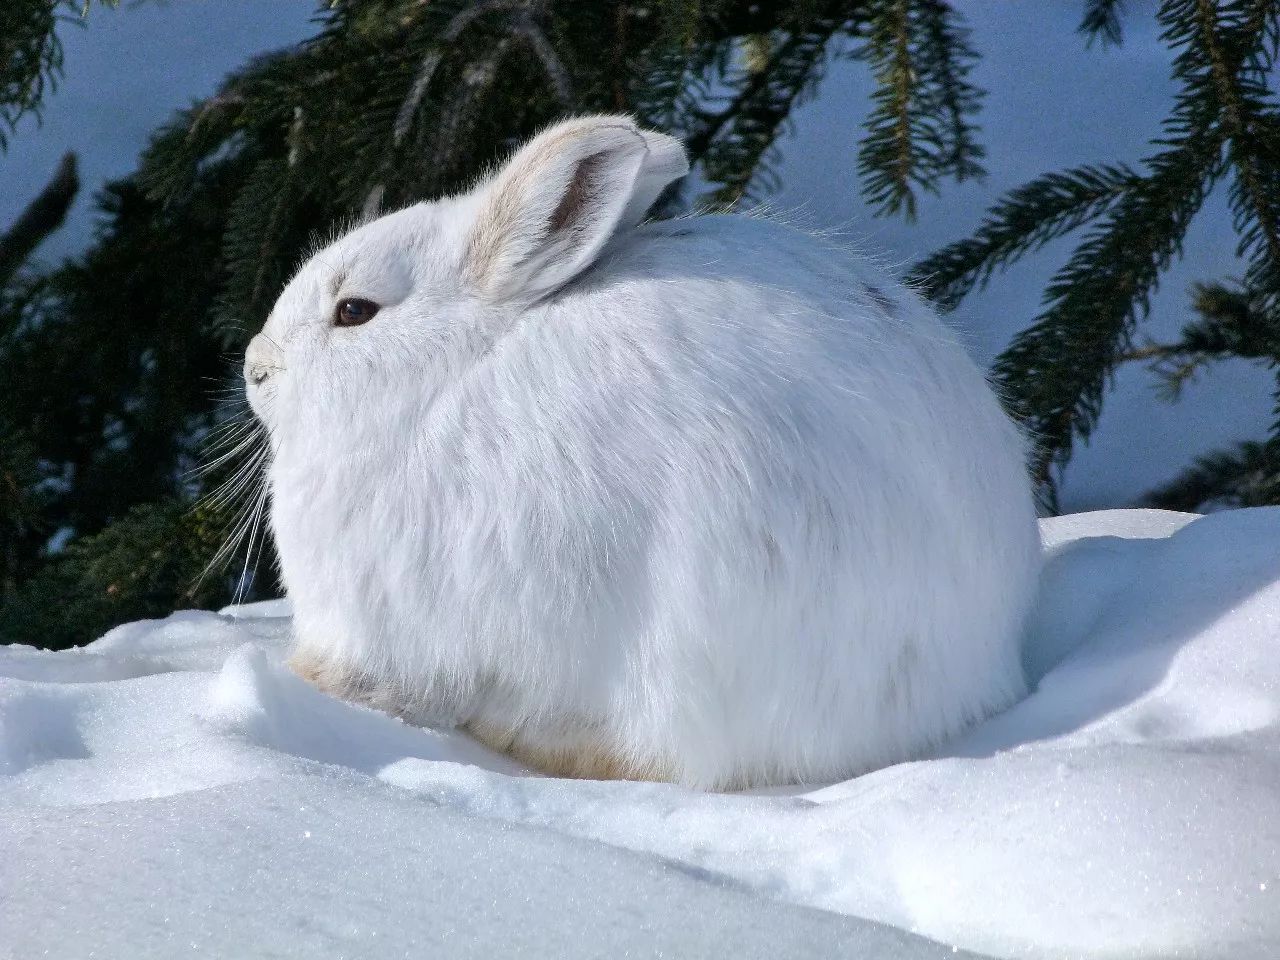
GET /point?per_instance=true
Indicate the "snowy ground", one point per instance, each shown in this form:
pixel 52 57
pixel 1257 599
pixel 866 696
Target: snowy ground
pixel 171 788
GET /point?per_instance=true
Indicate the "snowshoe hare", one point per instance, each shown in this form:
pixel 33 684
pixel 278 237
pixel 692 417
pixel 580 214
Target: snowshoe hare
pixel 707 500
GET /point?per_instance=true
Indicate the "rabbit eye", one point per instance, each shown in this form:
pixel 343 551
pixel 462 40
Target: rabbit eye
pixel 353 312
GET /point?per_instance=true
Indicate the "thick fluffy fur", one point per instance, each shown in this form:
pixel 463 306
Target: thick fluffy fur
pixel 712 501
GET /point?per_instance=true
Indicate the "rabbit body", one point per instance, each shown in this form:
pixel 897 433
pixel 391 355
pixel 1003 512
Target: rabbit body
pixel 726 507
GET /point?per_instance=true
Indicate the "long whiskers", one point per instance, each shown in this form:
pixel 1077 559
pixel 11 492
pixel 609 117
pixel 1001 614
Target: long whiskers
pixel 240 448
pixel 246 576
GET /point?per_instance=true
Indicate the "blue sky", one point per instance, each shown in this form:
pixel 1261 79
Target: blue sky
pixel 1053 103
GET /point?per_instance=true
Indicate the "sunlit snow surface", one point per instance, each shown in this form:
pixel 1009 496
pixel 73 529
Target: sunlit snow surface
pixel 172 789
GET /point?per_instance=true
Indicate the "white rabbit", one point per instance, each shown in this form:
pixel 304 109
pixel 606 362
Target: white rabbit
pixel 708 500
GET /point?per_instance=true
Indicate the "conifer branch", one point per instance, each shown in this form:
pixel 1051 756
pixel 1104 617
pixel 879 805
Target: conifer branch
pixel 41 217
pixel 919 130
pixel 1054 374
pixel 1248 476
pixel 1020 223
pixel 887 157
pixel 31 57
pixel 1238 109
pixel 416 96
pixel 897 82
pixel 709 125
pixel 449 133
pixel 476 79
pixel 525 26
pixel 748 128
pixel 431 62
pixel 1102 20
pixel 946 51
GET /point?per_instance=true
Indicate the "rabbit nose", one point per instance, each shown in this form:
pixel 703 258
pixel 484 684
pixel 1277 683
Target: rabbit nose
pixel 261 359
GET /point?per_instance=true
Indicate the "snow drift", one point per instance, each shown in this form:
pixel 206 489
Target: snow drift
pixel 172 787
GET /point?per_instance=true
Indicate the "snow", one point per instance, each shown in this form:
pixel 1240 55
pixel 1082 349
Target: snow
pixel 172 787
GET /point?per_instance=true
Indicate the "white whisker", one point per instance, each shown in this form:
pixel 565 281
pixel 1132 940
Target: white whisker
pixel 240 446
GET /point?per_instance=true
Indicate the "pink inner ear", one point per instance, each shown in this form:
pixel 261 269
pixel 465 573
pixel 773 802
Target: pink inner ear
pixel 570 208
pixel 545 224
pixel 547 214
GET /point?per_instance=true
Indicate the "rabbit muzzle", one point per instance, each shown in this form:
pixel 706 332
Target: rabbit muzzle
pixel 261 360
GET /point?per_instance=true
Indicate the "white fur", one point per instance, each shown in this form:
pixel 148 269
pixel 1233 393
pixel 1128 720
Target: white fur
pixel 714 498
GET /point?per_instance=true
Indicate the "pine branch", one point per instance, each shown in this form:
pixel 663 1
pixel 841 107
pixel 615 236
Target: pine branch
pixel 30 60
pixel 919 130
pixel 252 250
pixel 450 125
pixel 431 62
pixel 141 566
pixel 1231 323
pixel 170 166
pixel 1175 364
pixel 41 217
pixel 708 125
pixel 31 57
pixel 1021 223
pixel 671 92
pixel 1102 21
pixel 887 159
pixel 1253 140
pixel 526 27
pixel 1054 374
pixel 520 25
pixel 751 124
pixel 1248 476
pixel 1262 20
pixel 948 58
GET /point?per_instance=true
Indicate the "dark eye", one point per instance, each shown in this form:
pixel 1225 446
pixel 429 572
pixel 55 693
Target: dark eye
pixel 353 312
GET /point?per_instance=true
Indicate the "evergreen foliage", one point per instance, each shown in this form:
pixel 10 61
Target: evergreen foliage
pixel 1102 20
pixel 1223 130
pixel 148 562
pixel 23 496
pixel 41 217
pixel 31 54
pixel 392 101
pixel 921 127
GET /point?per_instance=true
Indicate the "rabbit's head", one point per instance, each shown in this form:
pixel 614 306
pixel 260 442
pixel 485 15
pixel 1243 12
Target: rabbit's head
pixel 409 301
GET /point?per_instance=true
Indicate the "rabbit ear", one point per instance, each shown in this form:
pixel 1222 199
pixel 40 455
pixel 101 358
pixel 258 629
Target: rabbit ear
pixel 546 215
